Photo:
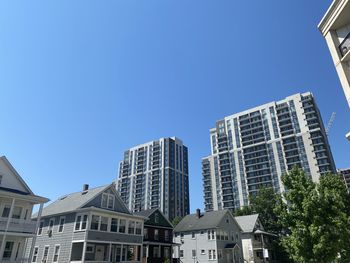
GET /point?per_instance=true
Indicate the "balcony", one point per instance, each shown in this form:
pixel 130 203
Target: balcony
pixel 18 225
pixel 344 47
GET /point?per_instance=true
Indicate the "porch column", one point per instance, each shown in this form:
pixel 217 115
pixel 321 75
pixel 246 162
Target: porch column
pixel 84 252
pixel 2 248
pixel 110 252
pixel 35 233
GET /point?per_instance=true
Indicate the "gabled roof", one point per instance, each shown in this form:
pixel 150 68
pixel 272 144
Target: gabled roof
pixel 18 177
pixel 247 223
pixel 72 202
pixel 207 220
pixel 149 212
pixel 146 213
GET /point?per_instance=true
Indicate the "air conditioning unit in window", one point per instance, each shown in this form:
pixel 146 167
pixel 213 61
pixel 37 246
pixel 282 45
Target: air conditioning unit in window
pixel 49 232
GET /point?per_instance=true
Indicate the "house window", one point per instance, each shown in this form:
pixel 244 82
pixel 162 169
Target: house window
pixel 138 227
pixel 156 218
pixel 181 253
pixel 213 234
pixel 104 200
pixel 35 254
pixel 17 211
pixel 212 254
pixel 193 253
pixel 166 235
pixel 114 225
pixel 219 254
pixel 203 251
pixel 166 252
pixel 8 250
pixel 110 204
pixel 45 254
pixel 104 223
pixel 94 222
pixel 156 234
pixel 107 201
pixel 156 252
pixel 0 179
pixel 145 233
pixel 40 229
pixel 131 228
pixel 122 224
pixel 56 253
pixel 51 223
pixel 61 224
pixel 90 248
pixel 6 211
pixel 80 222
pixel 193 234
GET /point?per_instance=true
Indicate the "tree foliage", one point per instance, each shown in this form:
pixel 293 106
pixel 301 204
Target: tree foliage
pixel 317 217
pixel 176 220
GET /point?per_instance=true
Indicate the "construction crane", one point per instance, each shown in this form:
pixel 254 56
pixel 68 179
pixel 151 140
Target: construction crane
pixel 330 123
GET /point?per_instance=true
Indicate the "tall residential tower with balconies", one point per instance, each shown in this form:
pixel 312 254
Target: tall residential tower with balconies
pixel 254 148
pixel 155 175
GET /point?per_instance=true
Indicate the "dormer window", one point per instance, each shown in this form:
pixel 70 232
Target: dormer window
pixel 107 201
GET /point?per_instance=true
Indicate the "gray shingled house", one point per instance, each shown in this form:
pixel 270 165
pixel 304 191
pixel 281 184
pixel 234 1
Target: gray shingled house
pixel 211 237
pixel 92 225
pixel 256 242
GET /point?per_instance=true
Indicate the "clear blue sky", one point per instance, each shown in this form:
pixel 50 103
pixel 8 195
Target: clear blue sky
pixel 82 81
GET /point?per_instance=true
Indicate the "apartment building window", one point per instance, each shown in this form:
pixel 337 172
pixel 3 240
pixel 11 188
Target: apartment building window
pixel 35 255
pixel 45 254
pixel 40 229
pixel 56 253
pixel 8 250
pixel 181 253
pixel 114 225
pixel 193 253
pixel 61 224
pixel 156 234
pixel 122 224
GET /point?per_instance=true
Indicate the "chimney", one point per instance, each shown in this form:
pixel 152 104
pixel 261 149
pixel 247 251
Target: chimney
pixel 85 187
pixel 198 213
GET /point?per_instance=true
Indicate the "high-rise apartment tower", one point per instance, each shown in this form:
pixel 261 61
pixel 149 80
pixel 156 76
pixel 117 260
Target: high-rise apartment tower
pixel 155 175
pixel 255 147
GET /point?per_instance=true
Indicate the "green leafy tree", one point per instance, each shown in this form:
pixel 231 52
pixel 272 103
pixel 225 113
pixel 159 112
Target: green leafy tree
pixel 176 220
pixel 243 211
pixel 317 218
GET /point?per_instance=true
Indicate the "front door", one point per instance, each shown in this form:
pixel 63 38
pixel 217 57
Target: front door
pixel 99 253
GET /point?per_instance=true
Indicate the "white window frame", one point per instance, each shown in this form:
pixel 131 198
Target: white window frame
pixel 13 246
pixel 47 256
pixel 81 222
pixel 59 224
pixel 35 255
pixel 108 198
pixel 54 253
pixel 90 246
pixel 40 228
pixel 49 227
